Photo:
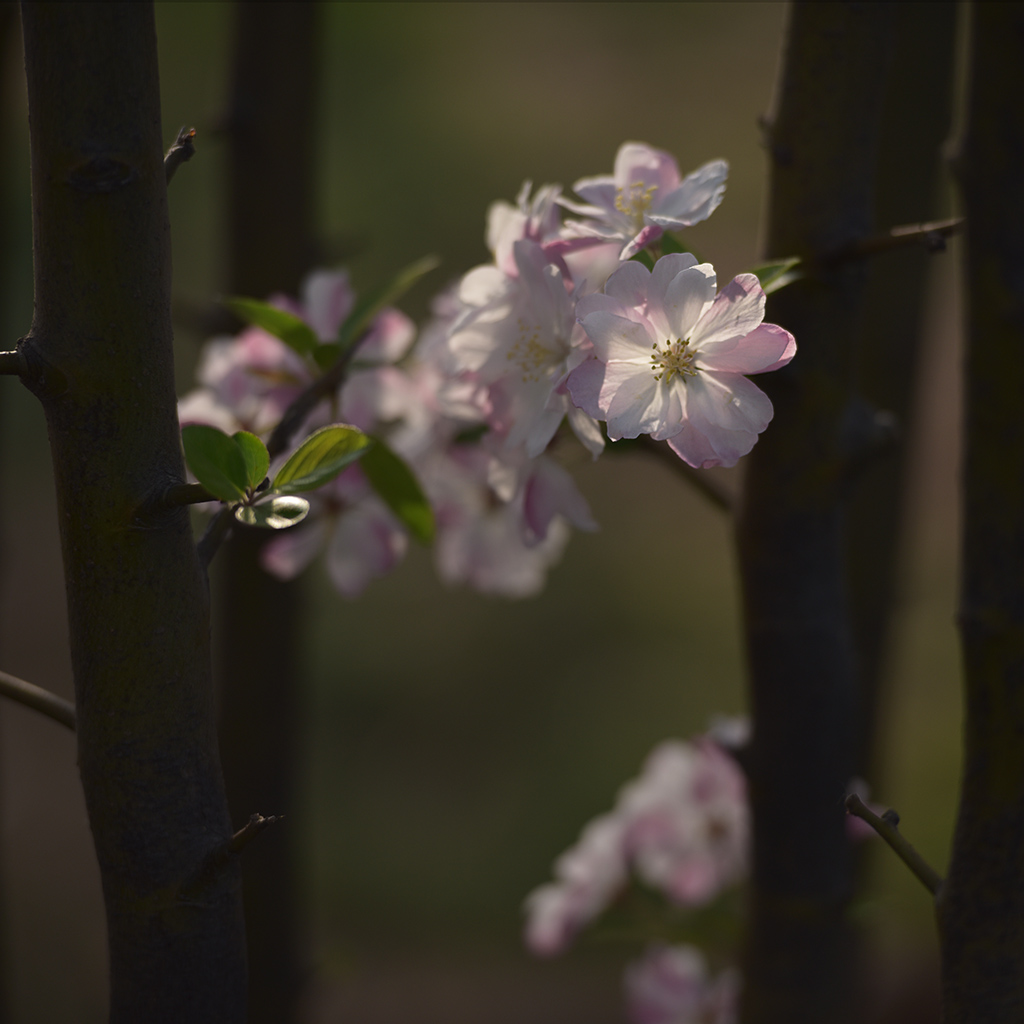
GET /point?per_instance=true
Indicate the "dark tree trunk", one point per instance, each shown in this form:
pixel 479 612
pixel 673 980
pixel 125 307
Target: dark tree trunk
pixel 270 203
pixel 981 906
pixel 99 359
pixel 823 143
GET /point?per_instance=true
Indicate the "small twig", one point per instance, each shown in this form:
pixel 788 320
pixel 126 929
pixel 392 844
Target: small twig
pixel 885 826
pixel 35 697
pixel 178 495
pixel 697 478
pixel 12 363
pixel 181 151
pixel 253 827
pixel 932 235
pixel 215 860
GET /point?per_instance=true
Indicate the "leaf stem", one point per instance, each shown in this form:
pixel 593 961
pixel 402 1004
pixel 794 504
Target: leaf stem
pixel 886 826
pixel 35 697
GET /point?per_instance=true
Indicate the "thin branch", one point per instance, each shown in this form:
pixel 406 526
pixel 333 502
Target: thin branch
pixel 932 235
pixel 214 862
pixel 886 827
pixel 183 494
pixel 35 697
pixel 696 478
pixel 182 150
pixel 256 825
pixel 306 401
pixel 12 363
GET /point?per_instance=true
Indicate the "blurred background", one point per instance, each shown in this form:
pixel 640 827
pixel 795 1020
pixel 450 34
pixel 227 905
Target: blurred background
pixel 453 745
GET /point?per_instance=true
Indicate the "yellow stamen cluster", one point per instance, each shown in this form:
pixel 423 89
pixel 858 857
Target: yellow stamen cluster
pixel 635 201
pixel 672 360
pixel 530 354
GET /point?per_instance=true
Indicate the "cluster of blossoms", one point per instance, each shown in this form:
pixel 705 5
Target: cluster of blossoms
pixel 681 828
pixel 561 326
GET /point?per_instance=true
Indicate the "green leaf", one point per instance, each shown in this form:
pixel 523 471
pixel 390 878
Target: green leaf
pixel 393 480
pixel 293 331
pixel 778 274
pixel 216 461
pixel 255 454
pixel 278 513
pixel 321 457
pixel 377 298
pixel 326 355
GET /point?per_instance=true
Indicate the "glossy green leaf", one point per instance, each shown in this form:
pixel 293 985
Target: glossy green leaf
pixel 257 458
pixel 321 457
pixel 384 295
pixel 393 480
pixel 216 461
pixel 278 513
pixel 293 331
pixel 778 274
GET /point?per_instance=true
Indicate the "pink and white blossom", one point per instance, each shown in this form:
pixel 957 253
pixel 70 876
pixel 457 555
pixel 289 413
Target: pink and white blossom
pixel 670 359
pixel 524 355
pixel 671 985
pixel 643 198
pixel 682 828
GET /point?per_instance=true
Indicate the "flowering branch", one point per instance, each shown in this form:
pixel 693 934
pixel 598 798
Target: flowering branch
pixel 35 697
pixel 182 150
pixel 886 826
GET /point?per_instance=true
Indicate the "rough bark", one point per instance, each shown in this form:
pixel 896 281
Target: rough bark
pixel 269 202
pixel 99 359
pixel 981 906
pixel 823 142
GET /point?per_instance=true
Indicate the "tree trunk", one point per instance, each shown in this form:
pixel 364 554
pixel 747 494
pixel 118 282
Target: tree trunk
pixel 981 906
pixel 99 359
pixel 798 966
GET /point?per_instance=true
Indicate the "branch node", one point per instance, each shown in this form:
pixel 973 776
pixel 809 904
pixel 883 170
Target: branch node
pixel 885 826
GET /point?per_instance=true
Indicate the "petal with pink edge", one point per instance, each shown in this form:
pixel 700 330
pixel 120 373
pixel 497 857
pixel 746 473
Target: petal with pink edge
pixel 765 348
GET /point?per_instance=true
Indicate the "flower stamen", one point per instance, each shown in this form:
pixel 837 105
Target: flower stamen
pixel 635 202
pixel 672 360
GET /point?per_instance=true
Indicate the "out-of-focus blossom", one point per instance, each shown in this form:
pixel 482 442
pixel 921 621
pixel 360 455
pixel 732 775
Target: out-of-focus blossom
pixel 688 821
pixel 524 355
pixel 589 875
pixel 358 535
pixel 502 519
pixel 682 827
pixel 671 985
pixel 670 359
pixel 643 198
